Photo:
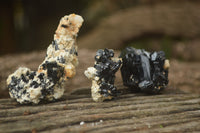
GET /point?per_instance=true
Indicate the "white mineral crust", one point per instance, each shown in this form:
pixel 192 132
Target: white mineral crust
pixel 47 83
pixel 90 73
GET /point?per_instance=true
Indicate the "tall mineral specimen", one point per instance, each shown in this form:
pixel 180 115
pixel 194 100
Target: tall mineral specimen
pixel 47 83
pixel 103 75
pixel 144 71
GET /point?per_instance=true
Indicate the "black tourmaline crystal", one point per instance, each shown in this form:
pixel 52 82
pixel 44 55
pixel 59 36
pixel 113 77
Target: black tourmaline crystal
pixel 106 69
pixel 144 71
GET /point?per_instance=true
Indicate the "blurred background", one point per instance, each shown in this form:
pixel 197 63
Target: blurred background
pixel 27 28
pixel 172 25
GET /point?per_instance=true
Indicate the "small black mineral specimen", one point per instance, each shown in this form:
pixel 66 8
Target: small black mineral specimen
pixel 106 69
pixel 144 71
pixel 103 75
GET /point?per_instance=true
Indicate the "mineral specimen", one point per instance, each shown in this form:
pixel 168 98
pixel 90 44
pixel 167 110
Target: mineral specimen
pixel 47 83
pixel 144 71
pixel 103 75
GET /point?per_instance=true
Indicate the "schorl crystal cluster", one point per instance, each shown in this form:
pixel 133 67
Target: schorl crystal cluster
pixel 103 75
pixel 47 83
pixel 144 71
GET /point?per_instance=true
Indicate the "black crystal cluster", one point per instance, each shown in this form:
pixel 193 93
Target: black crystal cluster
pixel 106 69
pixel 31 79
pixel 144 71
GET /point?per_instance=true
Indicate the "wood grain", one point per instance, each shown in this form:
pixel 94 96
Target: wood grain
pixel 167 112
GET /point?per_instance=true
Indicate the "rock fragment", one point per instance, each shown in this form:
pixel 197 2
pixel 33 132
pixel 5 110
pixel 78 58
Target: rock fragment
pixel 47 83
pixel 144 71
pixel 103 75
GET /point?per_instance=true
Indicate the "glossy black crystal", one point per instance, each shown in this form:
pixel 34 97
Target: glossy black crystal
pixel 106 69
pixel 144 71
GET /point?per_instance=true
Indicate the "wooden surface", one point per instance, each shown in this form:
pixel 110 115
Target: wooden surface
pixel 167 112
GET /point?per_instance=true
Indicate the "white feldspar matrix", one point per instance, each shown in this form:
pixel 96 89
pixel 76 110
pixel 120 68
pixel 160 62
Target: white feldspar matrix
pixel 103 75
pixel 47 83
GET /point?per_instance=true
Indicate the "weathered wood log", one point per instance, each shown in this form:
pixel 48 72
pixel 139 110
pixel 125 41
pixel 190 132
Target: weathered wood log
pixel 174 19
pixel 76 112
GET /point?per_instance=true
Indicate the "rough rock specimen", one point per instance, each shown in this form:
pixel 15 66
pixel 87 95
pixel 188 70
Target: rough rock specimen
pixel 47 83
pixel 144 71
pixel 103 75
